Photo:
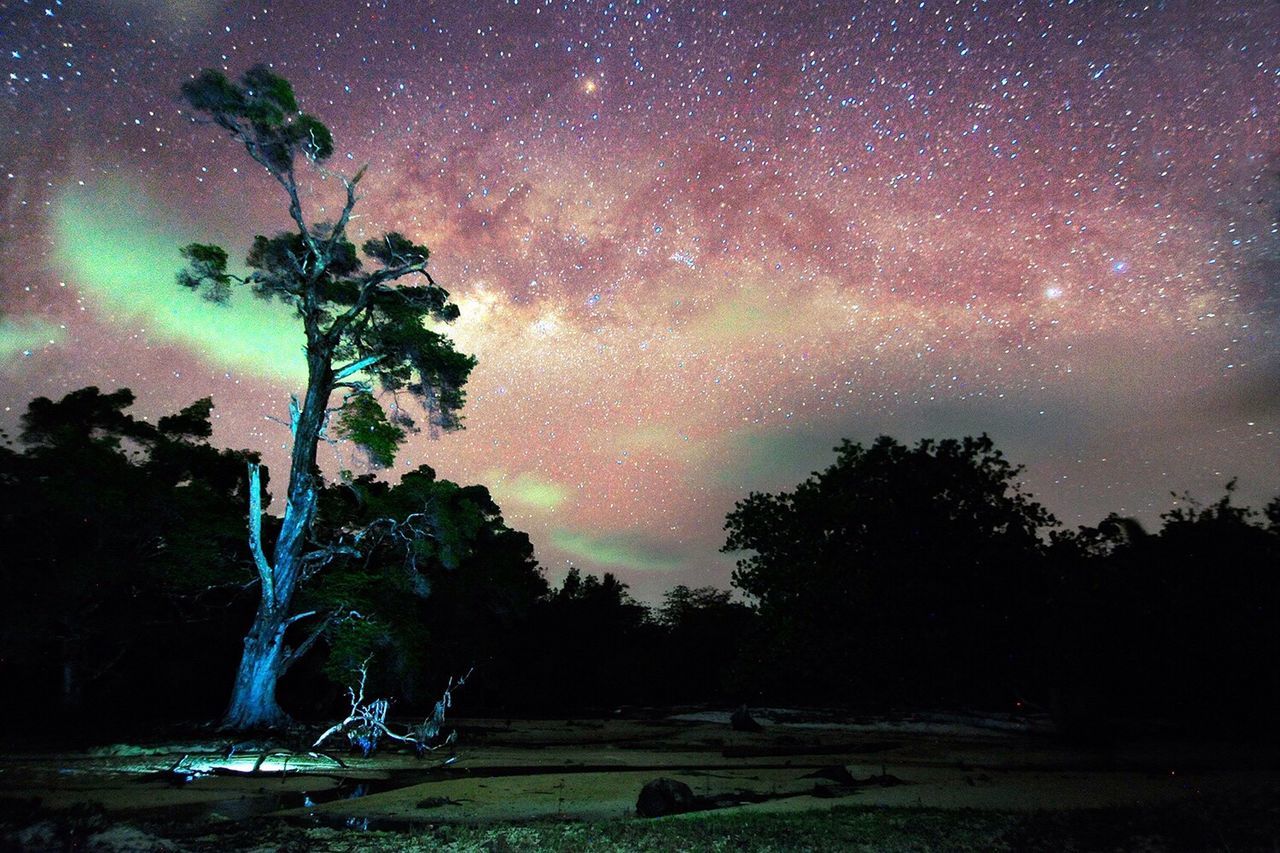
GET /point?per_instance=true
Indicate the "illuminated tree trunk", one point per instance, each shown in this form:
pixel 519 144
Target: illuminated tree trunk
pixel 253 701
pixel 266 657
pixel 344 308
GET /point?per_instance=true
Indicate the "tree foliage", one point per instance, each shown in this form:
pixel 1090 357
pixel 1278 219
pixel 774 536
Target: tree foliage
pixel 348 305
pixel 1177 624
pixel 926 551
pixel 112 525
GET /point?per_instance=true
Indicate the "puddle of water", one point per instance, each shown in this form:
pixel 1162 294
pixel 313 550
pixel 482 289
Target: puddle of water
pixel 265 801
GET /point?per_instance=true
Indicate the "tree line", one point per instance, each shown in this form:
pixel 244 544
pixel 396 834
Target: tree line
pixel 900 577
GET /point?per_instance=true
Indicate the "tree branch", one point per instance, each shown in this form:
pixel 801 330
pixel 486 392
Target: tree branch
pixel 255 533
pixel 356 366
pixel 293 655
pixel 314 561
pixel 294 413
pixel 350 184
pixel 368 287
pixel 299 617
pixel 284 177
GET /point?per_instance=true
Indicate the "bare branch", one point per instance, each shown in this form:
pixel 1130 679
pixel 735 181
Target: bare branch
pixel 255 533
pixel 284 177
pixel 356 366
pixel 299 617
pixel 350 184
pixel 366 723
pixel 274 420
pixel 316 560
pixel 292 656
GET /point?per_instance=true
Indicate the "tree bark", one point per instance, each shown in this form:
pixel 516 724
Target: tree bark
pixel 253 699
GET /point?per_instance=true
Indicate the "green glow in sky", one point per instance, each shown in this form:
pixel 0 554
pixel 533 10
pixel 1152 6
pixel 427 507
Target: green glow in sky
pixel 536 492
pixel 614 552
pixel 116 248
pixel 527 490
pixel 19 335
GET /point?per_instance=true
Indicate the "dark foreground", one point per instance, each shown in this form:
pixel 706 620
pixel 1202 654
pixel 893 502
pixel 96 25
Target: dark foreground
pixel 804 783
pixel 1210 825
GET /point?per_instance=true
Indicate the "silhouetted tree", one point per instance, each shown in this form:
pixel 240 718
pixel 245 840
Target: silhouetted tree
pixel 584 649
pixel 438 571
pixel 1177 624
pixel 898 573
pixel 111 524
pixel 707 633
pixel 360 325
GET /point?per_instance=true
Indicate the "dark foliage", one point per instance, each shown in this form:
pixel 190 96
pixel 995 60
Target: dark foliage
pixel 905 577
pixel 1179 625
pixel 117 534
pixel 897 575
pixel 919 577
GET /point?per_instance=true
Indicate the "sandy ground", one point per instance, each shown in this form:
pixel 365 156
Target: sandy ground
pixel 513 771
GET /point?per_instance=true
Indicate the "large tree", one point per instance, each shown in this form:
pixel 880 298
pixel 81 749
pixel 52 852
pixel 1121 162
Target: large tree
pixel 897 574
pixel 1176 624
pixel 366 320
pixel 113 526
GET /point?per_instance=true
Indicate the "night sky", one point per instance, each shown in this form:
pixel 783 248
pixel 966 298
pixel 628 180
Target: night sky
pixel 694 245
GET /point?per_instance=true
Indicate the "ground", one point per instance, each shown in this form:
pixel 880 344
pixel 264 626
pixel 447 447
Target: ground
pixel 807 781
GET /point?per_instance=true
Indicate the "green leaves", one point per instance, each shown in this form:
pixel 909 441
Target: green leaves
pixel 314 139
pixel 363 421
pixel 206 271
pixel 212 92
pixel 264 112
pixel 269 95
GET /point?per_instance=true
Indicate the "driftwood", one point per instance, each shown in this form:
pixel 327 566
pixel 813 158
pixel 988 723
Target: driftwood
pixel 366 724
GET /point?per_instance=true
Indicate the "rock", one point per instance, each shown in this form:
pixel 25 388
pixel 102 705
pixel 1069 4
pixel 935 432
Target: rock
pixel 122 838
pixel 664 797
pixel 835 773
pixel 437 802
pixel 741 721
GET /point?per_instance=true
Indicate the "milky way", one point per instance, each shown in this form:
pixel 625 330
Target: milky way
pixel 694 245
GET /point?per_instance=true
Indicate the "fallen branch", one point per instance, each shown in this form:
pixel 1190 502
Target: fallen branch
pixel 366 724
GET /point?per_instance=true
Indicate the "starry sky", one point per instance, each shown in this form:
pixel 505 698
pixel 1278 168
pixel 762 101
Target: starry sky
pixel 694 244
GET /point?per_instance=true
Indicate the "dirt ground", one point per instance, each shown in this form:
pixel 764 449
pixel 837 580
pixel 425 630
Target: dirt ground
pixel 510 772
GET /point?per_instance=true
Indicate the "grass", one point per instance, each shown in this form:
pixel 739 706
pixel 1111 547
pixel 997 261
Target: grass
pixel 1237 824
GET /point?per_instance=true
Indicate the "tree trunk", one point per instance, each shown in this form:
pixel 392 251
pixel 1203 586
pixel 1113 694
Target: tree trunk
pixel 253 701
